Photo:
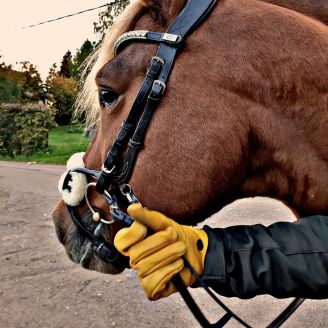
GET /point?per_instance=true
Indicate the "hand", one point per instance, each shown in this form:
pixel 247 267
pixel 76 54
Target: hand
pixel 159 257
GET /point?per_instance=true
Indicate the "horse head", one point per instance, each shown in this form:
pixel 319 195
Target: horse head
pixel 243 115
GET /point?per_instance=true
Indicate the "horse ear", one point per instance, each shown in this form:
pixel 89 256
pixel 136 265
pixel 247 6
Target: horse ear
pixel 164 10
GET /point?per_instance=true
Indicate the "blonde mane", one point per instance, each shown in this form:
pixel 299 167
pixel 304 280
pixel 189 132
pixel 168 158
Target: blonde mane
pixel 87 103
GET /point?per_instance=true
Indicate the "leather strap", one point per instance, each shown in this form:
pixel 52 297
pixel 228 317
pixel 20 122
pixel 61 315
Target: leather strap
pixel 189 18
pixel 105 251
pixel 127 127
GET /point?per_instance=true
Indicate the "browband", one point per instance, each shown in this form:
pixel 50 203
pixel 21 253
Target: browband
pixel 142 35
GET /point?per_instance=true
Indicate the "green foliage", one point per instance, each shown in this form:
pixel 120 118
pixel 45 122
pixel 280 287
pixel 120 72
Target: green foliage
pixel 33 88
pixel 80 57
pixel 24 129
pixel 62 93
pixel 106 17
pixel 23 86
pixel 63 141
pixel 11 84
pixel 9 91
pixel 66 65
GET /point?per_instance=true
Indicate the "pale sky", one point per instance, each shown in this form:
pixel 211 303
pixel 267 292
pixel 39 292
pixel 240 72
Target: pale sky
pixel 45 44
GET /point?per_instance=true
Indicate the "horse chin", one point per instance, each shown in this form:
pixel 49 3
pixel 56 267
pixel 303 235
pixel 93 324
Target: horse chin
pixel 80 251
pixel 88 260
pixel 78 248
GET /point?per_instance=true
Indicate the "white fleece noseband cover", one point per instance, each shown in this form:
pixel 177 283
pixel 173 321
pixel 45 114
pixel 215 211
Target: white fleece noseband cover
pixel 72 185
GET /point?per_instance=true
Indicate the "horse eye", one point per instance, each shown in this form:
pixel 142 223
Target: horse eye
pixel 107 97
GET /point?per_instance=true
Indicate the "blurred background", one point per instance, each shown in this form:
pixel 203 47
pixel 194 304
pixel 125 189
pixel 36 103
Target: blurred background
pixel 43 45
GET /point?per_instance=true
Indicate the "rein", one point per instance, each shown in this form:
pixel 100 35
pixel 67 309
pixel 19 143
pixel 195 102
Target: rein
pixel 113 178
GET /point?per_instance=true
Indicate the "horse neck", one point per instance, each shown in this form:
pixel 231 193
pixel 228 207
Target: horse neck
pixel 284 164
pixel 277 75
pixel 317 9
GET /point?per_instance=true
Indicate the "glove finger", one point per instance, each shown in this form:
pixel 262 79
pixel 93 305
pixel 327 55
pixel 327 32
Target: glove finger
pixel 187 277
pixel 159 260
pixel 158 281
pixel 154 220
pixel 127 237
pixel 167 291
pixel 152 244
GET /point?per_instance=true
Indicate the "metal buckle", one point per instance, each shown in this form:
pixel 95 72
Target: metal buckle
pixel 106 170
pixel 158 59
pixel 162 84
pixel 172 38
pixel 126 190
pixel 113 208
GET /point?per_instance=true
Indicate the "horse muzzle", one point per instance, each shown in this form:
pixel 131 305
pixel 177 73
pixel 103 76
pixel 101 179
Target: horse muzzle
pixel 99 256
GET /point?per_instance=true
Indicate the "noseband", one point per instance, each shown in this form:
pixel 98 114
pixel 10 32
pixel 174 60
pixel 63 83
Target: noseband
pixel 112 180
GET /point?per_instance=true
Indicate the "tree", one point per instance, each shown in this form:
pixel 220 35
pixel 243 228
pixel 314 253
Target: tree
pixel 33 87
pixel 66 65
pixel 79 58
pixel 11 83
pixel 4 66
pixel 62 93
pixel 10 86
pixel 106 17
pixel 51 75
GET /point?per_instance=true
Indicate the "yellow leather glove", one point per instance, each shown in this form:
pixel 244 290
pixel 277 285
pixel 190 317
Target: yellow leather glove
pixel 159 257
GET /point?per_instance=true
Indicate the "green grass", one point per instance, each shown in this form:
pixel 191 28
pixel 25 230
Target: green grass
pixel 63 142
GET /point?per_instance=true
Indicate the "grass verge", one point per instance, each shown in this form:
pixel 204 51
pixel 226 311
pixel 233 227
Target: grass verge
pixel 63 142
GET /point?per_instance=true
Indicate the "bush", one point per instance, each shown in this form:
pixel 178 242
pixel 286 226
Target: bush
pixel 10 85
pixel 24 128
pixel 62 93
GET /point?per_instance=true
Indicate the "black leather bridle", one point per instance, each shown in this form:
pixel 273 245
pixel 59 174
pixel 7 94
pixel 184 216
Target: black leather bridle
pixel 115 174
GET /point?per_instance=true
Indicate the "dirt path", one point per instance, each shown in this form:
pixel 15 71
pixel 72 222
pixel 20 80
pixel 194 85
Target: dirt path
pixel 40 287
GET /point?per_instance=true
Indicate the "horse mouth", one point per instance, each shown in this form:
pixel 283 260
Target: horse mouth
pixel 80 250
pixel 87 255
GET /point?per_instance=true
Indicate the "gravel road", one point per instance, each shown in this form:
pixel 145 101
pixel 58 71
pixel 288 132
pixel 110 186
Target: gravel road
pixel 40 287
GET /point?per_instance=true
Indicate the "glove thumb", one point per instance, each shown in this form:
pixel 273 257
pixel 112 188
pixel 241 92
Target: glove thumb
pixel 155 221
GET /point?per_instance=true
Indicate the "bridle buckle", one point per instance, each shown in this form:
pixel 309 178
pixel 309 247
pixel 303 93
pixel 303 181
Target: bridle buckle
pixel 158 60
pixel 106 170
pixel 161 84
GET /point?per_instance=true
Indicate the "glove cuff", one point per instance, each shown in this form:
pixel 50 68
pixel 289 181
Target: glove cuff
pixel 197 241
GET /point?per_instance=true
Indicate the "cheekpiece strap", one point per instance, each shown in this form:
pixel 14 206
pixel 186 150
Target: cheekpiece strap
pixel 151 91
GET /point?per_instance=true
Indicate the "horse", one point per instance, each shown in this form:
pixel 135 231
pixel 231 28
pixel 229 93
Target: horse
pixel 244 113
pixel 317 9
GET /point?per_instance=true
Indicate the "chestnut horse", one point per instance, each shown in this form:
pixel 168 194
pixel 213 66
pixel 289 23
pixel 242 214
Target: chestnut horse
pixel 245 112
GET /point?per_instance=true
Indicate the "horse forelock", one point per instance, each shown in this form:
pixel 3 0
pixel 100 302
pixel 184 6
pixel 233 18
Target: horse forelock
pixel 87 103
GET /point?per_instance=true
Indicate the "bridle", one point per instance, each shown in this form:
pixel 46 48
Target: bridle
pixel 112 180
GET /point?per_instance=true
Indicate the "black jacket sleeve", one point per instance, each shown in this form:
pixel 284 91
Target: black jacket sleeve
pixel 283 260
